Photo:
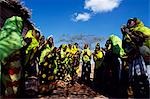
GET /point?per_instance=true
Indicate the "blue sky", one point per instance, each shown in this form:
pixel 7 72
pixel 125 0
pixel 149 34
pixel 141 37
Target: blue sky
pixel 56 17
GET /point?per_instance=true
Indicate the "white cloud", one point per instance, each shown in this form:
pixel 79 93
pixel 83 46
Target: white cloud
pixel 98 6
pixel 81 17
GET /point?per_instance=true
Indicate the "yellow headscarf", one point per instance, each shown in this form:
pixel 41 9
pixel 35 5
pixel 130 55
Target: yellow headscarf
pixel 34 42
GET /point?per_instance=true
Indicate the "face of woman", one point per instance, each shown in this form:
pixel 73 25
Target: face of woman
pixel 70 46
pixel 97 48
pixel 37 35
pixel 130 24
pixel 85 46
pixel 50 40
pixel 76 44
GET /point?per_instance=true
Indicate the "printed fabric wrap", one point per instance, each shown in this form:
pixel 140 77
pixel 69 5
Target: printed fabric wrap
pixel 99 55
pixel 10 36
pixel 128 45
pixel 86 57
pixel 117 45
pixel 45 52
pixel 137 67
pixel 74 49
pixel 34 43
pixel 0 72
pixel 145 30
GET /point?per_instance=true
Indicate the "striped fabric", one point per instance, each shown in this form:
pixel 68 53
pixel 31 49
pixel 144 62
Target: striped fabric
pixel 137 67
pixel 10 37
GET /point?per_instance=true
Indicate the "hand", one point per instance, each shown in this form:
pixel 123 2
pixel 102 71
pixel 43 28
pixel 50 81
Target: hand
pixel 123 28
pixel 126 30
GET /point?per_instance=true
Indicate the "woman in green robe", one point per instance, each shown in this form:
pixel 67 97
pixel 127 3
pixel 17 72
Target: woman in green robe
pixel 11 41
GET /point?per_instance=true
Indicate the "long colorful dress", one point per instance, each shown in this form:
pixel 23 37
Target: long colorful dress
pixel 86 67
pixel 30 55
pixel 30 64
pixel 138 78
pixel 46 65
pixel 62 61
pixel 98 58
pixel 11 41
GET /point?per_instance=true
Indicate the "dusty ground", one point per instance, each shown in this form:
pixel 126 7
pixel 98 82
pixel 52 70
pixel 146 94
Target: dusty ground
pixel 76 91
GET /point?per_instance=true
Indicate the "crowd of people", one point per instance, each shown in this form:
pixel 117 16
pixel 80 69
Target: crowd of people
pixel 32 64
